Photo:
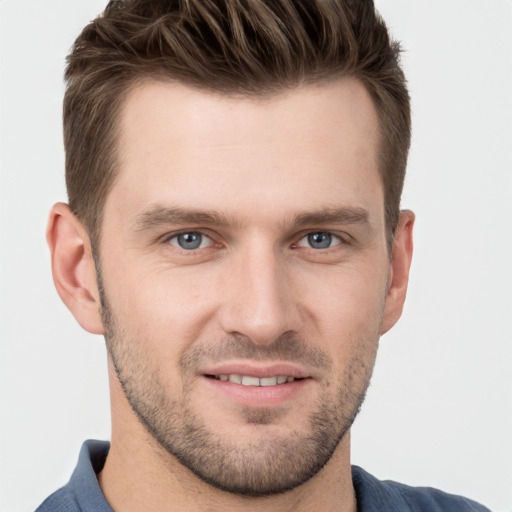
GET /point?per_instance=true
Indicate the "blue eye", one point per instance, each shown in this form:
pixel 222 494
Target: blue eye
pixel 190 241
pixel 320 240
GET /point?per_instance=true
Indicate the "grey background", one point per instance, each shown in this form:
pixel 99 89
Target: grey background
pixel 439 411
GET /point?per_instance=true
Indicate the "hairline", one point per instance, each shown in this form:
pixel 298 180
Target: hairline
pixel 139 80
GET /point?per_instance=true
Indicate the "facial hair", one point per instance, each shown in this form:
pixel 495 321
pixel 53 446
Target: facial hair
pixel 270 465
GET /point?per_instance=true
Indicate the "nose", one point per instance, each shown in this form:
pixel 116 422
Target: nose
pixel 259 302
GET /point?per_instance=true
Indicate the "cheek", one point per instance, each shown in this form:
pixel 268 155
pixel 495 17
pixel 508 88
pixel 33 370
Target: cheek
pixel 350 296
pixel 347 315
pixel 171 308
pixel 162 309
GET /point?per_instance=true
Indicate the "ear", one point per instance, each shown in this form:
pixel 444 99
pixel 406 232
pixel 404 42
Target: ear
pixel 74 273
pixel 399 271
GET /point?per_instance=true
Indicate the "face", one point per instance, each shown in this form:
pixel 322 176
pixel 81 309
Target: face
pixel 243 276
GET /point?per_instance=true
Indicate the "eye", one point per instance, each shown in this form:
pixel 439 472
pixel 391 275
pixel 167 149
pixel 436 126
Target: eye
pixel 319 240
pixel 190 241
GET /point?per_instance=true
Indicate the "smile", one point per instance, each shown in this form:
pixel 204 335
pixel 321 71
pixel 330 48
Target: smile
pixel 246 380
pixel 256 386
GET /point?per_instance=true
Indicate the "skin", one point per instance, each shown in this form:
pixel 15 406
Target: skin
pixel 265 171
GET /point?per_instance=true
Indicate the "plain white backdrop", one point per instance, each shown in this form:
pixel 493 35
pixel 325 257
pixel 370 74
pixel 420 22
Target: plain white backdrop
pixel 439 410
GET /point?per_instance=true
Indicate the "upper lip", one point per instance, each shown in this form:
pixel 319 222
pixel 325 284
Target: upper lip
pixel 258 369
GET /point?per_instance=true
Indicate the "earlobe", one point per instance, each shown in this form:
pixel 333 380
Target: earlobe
pixel 399 271
pixel 73 269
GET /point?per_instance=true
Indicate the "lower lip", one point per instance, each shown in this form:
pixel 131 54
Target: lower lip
pixel 258 396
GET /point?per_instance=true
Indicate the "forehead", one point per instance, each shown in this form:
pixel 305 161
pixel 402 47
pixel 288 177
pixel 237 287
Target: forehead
pixel 311 144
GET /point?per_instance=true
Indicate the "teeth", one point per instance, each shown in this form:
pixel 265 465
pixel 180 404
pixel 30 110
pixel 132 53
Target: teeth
pixel 250 381
pixel 237 379
pixel 246 380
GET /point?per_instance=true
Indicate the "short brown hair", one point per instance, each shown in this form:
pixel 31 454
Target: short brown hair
pixel 247 47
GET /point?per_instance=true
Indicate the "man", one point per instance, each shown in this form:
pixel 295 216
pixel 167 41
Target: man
pixel 234 172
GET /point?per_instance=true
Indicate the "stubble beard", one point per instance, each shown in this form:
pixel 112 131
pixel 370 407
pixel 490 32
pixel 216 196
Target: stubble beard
pixel 268 466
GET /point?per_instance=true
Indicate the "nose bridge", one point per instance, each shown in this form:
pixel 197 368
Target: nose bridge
pixel 258 301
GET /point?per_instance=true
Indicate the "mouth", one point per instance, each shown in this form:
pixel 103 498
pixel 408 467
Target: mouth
pixel 249 380
pixel 257 384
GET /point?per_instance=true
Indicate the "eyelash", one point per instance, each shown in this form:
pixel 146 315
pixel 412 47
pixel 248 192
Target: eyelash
pixel 340 240
pixel 331 236
pixel 168 240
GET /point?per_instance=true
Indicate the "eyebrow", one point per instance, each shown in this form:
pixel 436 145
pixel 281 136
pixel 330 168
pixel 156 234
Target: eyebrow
pixel 160 215
pixel 344 215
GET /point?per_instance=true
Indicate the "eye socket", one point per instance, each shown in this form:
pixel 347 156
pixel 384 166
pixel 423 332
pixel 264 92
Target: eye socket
pixel 319 240
pixel 190 240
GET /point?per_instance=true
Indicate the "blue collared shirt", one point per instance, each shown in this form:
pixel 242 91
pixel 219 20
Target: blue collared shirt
pixel 83 494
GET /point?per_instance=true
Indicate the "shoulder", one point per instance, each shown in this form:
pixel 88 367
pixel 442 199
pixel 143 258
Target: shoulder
pixel 376 495
pixel 63 500
pixel 83 491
